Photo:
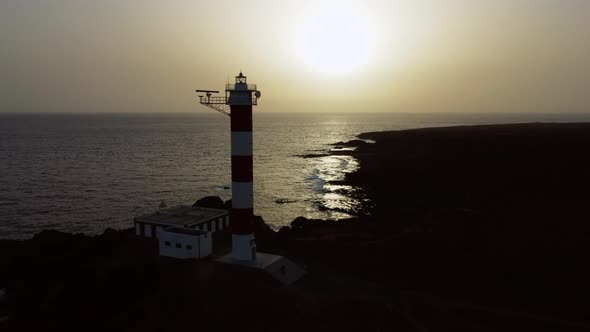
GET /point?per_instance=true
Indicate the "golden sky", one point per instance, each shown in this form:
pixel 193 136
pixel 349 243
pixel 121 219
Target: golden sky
pixel 372 55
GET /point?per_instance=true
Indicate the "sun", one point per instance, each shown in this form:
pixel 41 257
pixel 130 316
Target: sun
pixel 337 39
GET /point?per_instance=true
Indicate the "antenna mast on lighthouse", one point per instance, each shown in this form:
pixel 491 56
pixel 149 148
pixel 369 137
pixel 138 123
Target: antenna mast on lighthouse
pixel 239 98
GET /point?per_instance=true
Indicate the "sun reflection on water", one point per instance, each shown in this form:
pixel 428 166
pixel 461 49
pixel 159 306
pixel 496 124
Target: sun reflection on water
pixel 332 199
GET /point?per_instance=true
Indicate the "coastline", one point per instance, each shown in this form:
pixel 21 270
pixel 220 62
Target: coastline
pixel 488 214
pixel 456 237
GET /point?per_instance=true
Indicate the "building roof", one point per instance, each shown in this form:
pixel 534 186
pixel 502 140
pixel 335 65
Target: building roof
pixel 185 231
pixel 181 215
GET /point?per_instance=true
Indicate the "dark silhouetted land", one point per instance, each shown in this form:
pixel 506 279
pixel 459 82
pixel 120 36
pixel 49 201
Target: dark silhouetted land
pixel 479 228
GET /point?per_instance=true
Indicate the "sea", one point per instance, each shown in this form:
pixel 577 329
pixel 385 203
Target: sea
pixel 83 173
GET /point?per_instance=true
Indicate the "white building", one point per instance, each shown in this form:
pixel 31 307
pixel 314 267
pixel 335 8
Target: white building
pixel 184 243
pixel 182 216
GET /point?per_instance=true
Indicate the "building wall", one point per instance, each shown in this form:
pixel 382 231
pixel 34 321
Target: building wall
pixel 147 230
pixel 184 245
pixel 213 225
pixel 206 243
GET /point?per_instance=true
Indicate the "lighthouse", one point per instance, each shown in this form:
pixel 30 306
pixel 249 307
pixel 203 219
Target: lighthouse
pixel 240 97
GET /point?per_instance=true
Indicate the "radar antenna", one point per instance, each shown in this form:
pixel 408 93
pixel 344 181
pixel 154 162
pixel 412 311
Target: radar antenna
pixel 216 103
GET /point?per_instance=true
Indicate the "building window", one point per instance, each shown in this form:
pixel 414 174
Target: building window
pixel 189 247
pixel 167 243
pixel 178 245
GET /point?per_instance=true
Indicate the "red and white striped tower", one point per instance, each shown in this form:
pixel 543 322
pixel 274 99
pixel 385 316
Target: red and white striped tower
pixel 240 99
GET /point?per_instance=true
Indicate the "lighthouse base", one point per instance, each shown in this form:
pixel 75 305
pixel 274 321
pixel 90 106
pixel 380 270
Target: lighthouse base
pixel 243 247
pixel 279 267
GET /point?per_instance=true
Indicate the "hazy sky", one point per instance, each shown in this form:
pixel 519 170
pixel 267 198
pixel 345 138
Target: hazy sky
pixel 419 55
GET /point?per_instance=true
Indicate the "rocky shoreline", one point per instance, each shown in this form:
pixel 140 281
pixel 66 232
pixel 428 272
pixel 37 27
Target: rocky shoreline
pixel 465 228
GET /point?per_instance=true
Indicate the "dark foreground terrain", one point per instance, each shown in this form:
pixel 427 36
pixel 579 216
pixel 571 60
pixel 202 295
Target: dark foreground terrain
pixel 479 228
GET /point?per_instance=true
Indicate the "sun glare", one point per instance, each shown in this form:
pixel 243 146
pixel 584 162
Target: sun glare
pixel 336 39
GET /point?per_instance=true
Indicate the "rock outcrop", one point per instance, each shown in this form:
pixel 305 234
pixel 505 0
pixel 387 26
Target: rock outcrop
pixel 212 202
